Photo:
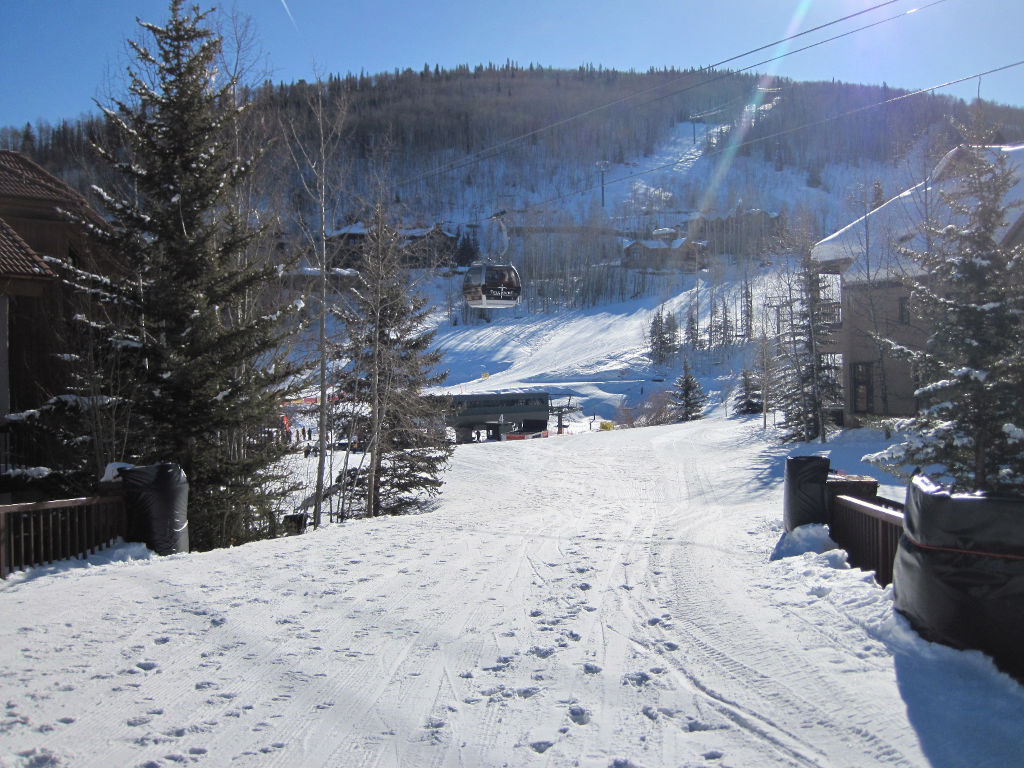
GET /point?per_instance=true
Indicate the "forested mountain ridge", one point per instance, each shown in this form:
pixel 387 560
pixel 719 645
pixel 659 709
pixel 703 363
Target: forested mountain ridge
pixel 464 142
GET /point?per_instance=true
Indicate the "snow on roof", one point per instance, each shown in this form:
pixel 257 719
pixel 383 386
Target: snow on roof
pixel 360 228
pixel 868 248
pixel 658 245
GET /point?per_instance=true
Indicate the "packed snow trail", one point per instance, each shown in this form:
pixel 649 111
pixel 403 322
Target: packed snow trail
pixel 602 599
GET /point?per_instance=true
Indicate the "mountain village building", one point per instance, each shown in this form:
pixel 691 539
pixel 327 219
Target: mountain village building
pixel 867 256
pixel 40 217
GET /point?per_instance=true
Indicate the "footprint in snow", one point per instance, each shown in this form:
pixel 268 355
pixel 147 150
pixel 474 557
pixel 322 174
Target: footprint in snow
pixel 636 679
pixel 579 714
pixel 695 726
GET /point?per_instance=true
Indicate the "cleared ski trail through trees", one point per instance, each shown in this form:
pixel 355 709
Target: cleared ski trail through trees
pixel 601 599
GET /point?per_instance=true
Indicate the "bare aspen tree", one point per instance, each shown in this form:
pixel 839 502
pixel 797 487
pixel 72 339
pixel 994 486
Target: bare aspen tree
pixel 316 156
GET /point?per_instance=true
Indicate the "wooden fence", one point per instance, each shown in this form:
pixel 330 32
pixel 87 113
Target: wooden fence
pixel 43 532
pixel 869 531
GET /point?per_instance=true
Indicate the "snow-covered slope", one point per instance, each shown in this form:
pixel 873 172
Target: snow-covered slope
pixel 601 599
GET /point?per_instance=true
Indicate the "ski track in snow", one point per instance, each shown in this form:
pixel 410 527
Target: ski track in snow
pixel 601 599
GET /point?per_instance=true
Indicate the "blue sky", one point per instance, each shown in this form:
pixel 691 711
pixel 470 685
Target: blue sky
pixel 56 56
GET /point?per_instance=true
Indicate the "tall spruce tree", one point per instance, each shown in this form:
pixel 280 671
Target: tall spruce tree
pixel 211 375
pixel 656 334
pixel 688 398
pixel 670 335
pixel 388 363
pixel 969 429
pixel 809 383
pixel 691 334
pixel 664 336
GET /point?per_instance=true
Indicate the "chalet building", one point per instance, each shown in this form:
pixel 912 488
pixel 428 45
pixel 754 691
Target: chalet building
pixel 687 246
pixel 24 278
pixel 432 246
pixel 37 220
pixel 874 297
pixel 667 250
pixel 748 232
pixel 40 217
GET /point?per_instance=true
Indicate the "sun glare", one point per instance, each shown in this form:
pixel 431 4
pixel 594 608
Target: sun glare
pixel 764 87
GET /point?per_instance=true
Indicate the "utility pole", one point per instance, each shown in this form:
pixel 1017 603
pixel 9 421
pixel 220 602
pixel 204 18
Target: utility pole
pixel 602 166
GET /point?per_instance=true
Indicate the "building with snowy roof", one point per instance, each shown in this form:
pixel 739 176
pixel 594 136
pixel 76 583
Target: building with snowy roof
pixel 870 257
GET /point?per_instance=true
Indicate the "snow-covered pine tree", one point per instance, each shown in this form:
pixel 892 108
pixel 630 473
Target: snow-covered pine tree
pixel 388 363
pixel 663 336
pixel 657 338
pixel 467 251
pixel 969 429
pixel 726 331
pixel 714 323
pixel 691 334
pixel 211 376
pixel 688 398
pixel 748 399
pixel 670 336
pixel 747 310
pixel 809 381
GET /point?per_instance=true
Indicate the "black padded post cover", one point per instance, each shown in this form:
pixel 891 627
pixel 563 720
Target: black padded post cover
pixel 958 576
pixel 803 500
pixel 156 501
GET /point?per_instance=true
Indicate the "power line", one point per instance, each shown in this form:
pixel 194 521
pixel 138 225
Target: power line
pixel 498 148
pixel 832 39
pixel 787 131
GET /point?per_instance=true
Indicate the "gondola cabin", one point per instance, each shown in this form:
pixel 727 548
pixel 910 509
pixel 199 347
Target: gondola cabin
pixel 490 286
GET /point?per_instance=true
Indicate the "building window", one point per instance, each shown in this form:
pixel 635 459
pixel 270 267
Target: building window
pixel 861 387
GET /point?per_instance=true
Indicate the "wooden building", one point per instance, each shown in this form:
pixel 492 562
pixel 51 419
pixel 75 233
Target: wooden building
pixel 420 247
pixel 665 251
pixel 40 218
pixel 869 257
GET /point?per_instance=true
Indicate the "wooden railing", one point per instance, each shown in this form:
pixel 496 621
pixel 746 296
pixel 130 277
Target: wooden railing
pixel 869 531
pixel 45 531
